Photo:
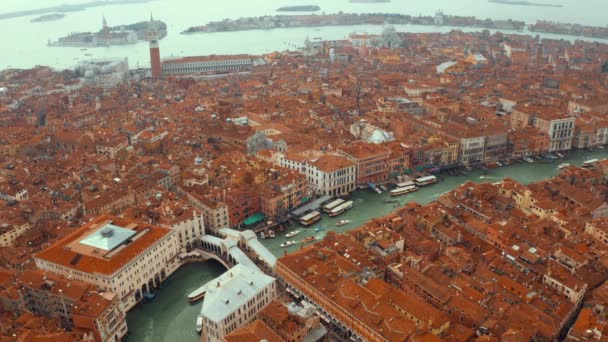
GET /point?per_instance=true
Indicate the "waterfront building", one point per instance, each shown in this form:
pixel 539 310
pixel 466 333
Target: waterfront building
pixel 234 299
pixel 558 125
pixel 331 175
pixel 590 131
pixel 371 161
pixel 213 63
pixel 123 256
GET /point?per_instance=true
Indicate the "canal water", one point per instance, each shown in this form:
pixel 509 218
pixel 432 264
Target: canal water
pixel 170 317
pixel 368 205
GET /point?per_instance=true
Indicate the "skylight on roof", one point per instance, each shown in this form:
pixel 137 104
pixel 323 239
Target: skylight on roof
pixel 108 237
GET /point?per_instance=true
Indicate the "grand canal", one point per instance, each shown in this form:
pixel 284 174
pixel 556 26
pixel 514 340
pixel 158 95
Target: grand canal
pixel 171 315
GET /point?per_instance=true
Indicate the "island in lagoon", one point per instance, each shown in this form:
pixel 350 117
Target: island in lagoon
pixel 48 17
pixel 117 35
pixel 303 8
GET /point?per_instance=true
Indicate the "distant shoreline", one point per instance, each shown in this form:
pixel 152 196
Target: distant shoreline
pixel 524 3
pixel 68 8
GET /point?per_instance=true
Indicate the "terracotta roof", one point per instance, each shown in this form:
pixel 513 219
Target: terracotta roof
pixel 64 254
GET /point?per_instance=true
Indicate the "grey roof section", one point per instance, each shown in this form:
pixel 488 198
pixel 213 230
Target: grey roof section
pixel 228 232
pixel 241 258
pixel 315 334
pixel 108 237
pixel 236 287
pixel 212 239
pixel 314 205
pixel 262 253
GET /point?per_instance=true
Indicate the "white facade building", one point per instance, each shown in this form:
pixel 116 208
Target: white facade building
pixel 233 300
pixel 326 174
pixel 118 255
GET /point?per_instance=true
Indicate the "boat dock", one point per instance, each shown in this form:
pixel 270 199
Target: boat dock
pixel 314 205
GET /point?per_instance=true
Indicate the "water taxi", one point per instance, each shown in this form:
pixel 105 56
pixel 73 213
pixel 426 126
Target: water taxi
pixel 563 166
pixel 342 223
pixel 426 180
pixel 197 294
pixel 310 218
pixel 590 162
pixel 404 190
pixel 404 184
pixel 319 228
pixel 292 234
pixel 331 205
pixel 341 208
pixel 288 243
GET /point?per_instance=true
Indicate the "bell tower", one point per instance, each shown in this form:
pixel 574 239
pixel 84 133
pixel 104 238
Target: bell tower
pixel 155 65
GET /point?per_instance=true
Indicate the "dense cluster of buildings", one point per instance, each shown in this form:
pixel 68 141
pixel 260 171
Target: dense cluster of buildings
pixel 104 184
pixel 500 261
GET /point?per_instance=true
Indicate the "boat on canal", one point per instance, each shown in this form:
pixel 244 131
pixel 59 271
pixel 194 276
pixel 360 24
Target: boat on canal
pixel 199 324
pixel 319 228
pixel 342 223
pixel 529 160
pixel 404 190
pixel 590 162
pixel 288 243
pixel 271 234
pixel 331 205
pixel 341 209
pixel 197 294
pixel 308 239
pixel 292 234
pixel 310 218
pixel 428 180
pixel 563 165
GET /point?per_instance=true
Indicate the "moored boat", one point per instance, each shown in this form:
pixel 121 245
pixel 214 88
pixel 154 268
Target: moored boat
pixel 288 243
pixel 529 160
pixel 563 166
pixel 199 324
pixel 271 234
pixel 404 190
pixel 342 223
pixel 308 239
pixel 341 208
pixel 590 162
pixel 292 234
pixel 310 218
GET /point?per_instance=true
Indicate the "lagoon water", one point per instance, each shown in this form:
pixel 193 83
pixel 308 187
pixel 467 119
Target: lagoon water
pixel 24 44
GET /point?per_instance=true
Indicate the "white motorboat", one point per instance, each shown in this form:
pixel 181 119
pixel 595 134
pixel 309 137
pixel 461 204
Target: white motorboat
pixel 292 234
pixel 288 243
